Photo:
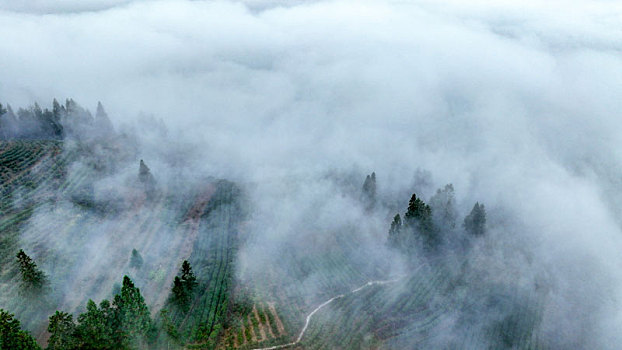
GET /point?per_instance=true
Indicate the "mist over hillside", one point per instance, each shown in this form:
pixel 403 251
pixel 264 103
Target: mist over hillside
pixel 257 124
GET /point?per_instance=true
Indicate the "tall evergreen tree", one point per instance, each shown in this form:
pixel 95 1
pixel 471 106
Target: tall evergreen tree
pixel 369 191
pixel 183 286
pixel 96 327
pixel 136 261
pixel 475 222
pixel 32 277
pixel 418 219
pixel 62 332
pixel 12 336
pixel 187 276
pixel 57 110
pixel 180 295
pixel 131 315
pixel 147 179
pixel 102 122
pixel 443 205
pixel 395 231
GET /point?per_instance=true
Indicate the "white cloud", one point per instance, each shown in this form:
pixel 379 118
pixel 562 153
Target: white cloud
pixel 515 103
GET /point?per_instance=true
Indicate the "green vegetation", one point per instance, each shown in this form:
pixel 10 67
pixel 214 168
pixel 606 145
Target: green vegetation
pixel 37 174
pixel 33 278
pixel 475 222
pixel 183 287
pixel 136 261
pixel 122 325
pixel 62 332
pixel 417 230
pixel 12 336
pixel 202 304
pixel 369 191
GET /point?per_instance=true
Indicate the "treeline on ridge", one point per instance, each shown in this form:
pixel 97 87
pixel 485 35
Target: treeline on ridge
pixel 57 123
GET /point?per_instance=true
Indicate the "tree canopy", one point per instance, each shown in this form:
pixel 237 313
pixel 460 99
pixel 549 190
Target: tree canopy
pixel 183 286
pixel 33 279
pixel 475 222
pixel 369 191
pixel 136 260
pixel 12 336
pixel 131 314
pixel 62 331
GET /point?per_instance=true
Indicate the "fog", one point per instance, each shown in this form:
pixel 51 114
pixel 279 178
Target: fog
pixel 514 104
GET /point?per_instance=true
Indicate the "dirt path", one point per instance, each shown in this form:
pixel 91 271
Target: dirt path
pixel 277 319
pixel 267 325
pixel 260 325
pixel 310 315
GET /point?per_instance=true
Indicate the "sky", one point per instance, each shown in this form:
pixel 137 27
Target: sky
pixel 515 103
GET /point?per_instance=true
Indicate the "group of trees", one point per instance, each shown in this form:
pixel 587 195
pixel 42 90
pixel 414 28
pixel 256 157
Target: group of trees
pixel 416 227
pixel 369 191
pixel 423 225
pixel 12 336
pixel 56 123
pixel 122 324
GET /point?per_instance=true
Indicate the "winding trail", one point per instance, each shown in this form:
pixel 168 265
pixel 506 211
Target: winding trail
pixel 308 320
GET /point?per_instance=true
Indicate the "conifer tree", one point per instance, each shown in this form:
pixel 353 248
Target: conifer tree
pixel 136 261
pixel 418 219
pixel 96 327
pixel 180 296
pixel 475 222
pixel 369 191
pixel 57 110
pixel 131 314
pixel 187 276
pixel 33 278
pixel 394 231
pixel 443 204
pixel 12 336
pixel 62 332
pixel 183 286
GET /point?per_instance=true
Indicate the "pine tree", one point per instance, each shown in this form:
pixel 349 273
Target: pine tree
pixel 62 332
pixel 136 261
pixel 96 327
pixel 394 231
pixel 32 277
pixel 475 222
pixel 418 219
pixel 12 336
pixel 102 122
pixel 369 191
pixel 443 204
pixel 147 179
pixel 58 111
pixel 183 286
pixel 180 296
pixel 187 276
pixel 131 314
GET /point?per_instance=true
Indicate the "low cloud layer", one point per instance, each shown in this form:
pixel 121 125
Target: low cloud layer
pixel 517 106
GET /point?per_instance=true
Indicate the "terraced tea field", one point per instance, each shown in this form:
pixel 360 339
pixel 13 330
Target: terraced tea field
pixel 83 241
pixel 60 207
